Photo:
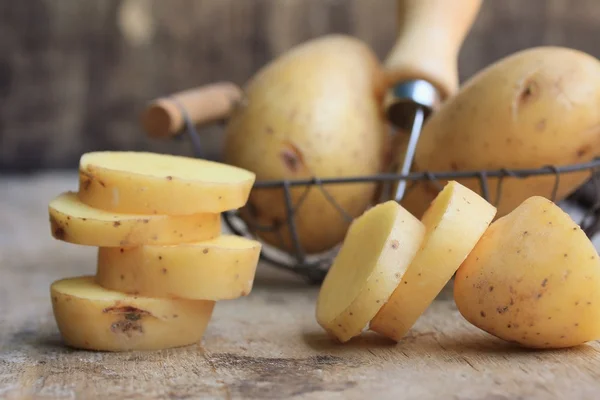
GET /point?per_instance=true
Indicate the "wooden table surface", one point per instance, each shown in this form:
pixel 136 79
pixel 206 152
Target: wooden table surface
pixel 267 345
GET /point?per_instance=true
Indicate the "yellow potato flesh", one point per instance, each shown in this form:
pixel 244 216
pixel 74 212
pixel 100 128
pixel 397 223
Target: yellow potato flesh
pixel 378 248
pixel 533 279
pixel 222 268
pixel 309 115
pixel 147 183
pixel 90 317
pixel 535 108
pixel 454 223
pixel 74 222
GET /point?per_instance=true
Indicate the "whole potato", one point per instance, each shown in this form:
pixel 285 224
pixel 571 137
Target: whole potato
pixel 313 112
pixel 533 278
pixel 535 108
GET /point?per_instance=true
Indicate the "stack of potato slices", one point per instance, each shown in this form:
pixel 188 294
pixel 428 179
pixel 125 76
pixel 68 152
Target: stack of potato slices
pixel 162 262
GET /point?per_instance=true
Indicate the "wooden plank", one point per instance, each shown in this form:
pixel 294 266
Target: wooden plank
pixel 267 345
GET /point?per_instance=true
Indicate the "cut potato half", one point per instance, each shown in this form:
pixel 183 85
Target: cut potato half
pixel 454 222
pixel 75 222
pixel 148 183
pixel 533 279
pixel 218 269
pixel 378 248
pixel 90 317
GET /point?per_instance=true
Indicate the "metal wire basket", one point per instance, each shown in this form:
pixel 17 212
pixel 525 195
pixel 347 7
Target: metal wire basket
pixel 314 267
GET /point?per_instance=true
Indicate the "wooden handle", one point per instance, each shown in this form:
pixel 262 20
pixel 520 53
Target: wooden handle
pixel 430 36
pixel 204 105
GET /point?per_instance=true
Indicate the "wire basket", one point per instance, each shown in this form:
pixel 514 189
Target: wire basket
pixel 313 267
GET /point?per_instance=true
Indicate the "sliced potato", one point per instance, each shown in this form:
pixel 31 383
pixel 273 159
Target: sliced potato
pixel 378 248
pixel 454 223
pixel 75 222
pixel 90 317
pixel 533 279
pixel 218 269
pixel 147 183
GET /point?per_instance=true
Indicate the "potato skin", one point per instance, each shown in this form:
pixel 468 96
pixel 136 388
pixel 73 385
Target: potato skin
pixel 309 114
pixel 535 108
pixel 533 279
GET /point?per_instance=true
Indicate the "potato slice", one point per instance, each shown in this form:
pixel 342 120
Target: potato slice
pixel 533 278
pixel 147 183
pixel 454 223
pixel 222 268
pixel 378 248
pixel 73 221
pixel 90 317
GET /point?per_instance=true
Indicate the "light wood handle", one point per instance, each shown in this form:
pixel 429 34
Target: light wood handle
pixel 431 33
pixel 204 105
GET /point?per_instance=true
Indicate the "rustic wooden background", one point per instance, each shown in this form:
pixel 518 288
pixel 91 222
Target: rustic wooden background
pixel 74 74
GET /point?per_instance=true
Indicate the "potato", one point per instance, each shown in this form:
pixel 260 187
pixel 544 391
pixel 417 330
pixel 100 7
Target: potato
pixel 537 107
pixel 90 317
pixel 533 279
pixel 378 248
pixel 454 223
pixel 74 222
pixel 307 114
pixel 147 183
pixel 218 269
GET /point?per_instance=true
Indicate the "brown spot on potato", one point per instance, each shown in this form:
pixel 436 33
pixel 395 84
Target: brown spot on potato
pixel 269 130
pixel 164 271
pixel 395 244
pixel 116 224
pixel 59 233
pixel 482 313
pixel 541 125
pixel 454 166
pixel 102 184
pixel 529 92
pixel 491 289
pixel 160 257
pixel 145 220
pixel 127 327
pixel 292 157
pixel 122 277
pixel 502 310
pixel 545 282
pixel 205 251
pixel 54 298
pixel 122 250
pixel 169 178
pixel 583 151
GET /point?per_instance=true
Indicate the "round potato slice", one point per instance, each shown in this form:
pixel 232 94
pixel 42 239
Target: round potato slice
pixel 454 223
pixel 378 248
pixel 90 317
pixel 75 222
pixel 148 183
pixel 533 279
pixel 218 269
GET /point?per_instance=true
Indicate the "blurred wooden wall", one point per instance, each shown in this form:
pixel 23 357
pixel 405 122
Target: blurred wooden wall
pixel 74 74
